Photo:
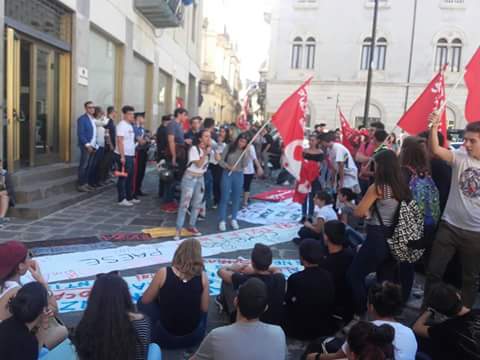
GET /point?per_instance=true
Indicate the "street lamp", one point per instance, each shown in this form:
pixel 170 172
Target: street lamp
pixel 370 65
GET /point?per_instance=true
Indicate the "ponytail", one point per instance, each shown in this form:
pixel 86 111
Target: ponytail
pixel 371 342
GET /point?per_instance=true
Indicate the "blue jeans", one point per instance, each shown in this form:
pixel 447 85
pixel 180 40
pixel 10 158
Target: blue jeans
pixel 232 187
pixel 375 256
pixel 193 189
pixel 208 188
pixel 85 166
pixel 354 238
pixel 309 199
pixel 124 184
pixel 93 173
pixel 162 337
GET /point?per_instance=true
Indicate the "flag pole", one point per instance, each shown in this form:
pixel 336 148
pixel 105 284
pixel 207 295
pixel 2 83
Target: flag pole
pixel 249 144
pixel 459 80
pixel 254 138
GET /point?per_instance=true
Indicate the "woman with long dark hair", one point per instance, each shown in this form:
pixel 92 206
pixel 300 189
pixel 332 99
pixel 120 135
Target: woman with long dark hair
pixel 110 328
pixel 232 179
pixel 379 206
pixel 312 153
pixel 415 163
pixel 176 300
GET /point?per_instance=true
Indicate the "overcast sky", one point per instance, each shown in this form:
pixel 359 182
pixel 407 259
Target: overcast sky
pixel 245 23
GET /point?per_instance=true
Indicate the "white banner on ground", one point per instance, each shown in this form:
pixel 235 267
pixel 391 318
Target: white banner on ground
pixel 265 213
pixel 73 296
pixel 89 263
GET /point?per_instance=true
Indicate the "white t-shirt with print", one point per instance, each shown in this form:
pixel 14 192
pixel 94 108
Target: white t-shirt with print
pixel 404 342
pixel 463 204
pixel 194 154
pixel 326 213
pixel 340 154
pixel 250 168
pixel 125 130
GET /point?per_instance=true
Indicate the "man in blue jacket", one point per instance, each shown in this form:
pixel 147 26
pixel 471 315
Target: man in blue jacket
pixel 87 134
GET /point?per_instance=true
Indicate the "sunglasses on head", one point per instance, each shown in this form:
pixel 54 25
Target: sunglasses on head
pixel 114 272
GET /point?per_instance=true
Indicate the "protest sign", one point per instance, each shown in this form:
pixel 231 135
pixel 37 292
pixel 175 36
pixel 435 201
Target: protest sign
pixel 89 263
pixel 265 213
pixel 73 296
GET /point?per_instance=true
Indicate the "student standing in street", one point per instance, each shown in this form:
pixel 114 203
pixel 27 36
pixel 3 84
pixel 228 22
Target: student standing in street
pixel 459 230
pixel 193 185
pixel 124 156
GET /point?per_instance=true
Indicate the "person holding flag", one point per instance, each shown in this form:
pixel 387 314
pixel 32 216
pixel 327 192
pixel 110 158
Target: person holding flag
pixel 459 230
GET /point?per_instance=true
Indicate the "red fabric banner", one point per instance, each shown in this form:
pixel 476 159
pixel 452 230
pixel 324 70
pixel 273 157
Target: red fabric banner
pixel 309 172
pixel 472 80
pixel 433 98
pixel 348 133
pixel 275 195
pixel 290 123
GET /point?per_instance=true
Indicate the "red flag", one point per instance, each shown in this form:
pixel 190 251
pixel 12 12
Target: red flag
pixel 290 123
pixel 433 98
pixel 347 133
pixel 242 119
pixel 309 172
pixel 472 80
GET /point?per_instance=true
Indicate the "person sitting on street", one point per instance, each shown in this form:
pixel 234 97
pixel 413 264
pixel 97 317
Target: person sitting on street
pixel 338 259
pixel 248 337
pixel 234 275
pixel 15 262
pixel 384 304
pixel 457 337
pixel 310 296
pixel 324 212
pixel 111 328
pixel 29 311
pixel 176 301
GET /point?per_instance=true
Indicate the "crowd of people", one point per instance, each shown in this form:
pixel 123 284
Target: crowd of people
pixel 354 222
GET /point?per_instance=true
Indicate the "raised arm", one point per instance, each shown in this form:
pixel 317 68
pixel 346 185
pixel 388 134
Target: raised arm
pixel 435 147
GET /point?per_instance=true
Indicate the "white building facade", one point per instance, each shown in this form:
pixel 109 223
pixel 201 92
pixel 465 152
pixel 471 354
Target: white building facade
pixel 330 40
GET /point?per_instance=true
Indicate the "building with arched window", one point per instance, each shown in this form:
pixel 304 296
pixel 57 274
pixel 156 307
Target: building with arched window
pixel 331 41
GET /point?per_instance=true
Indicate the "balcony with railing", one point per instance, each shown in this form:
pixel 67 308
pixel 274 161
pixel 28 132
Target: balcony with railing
pixel 161 13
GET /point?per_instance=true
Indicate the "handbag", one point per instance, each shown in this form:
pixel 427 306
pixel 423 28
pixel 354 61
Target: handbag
pixel 406 237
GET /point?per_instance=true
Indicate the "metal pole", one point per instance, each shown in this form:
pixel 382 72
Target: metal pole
pixel 410 61
pixel 370 65
pixel 336 110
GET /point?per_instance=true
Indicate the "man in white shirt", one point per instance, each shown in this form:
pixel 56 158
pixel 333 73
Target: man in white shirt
pixel 345 173
pixel 459 230
pixel 124 157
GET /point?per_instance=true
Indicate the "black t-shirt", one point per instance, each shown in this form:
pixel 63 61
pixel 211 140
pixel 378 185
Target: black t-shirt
pixel 337 264
pixel 276 293
pixel 16 341
pixel 442 177
pixel 309 302
pixel 458 337
pixel 267 140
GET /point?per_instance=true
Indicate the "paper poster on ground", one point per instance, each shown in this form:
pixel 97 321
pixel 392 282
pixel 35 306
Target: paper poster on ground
pixel 89 263
pixel 265 213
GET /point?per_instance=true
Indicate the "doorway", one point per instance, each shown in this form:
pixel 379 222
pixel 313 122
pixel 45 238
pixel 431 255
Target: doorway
pixel 36 74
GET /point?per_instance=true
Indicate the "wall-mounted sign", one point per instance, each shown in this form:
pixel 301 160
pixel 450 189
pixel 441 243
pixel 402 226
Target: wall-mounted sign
pixel 82 76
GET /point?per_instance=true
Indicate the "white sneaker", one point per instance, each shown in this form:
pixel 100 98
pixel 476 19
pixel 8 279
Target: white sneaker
pixel 125 202
pixel 135 201
pixel 222 226
pixel 235 225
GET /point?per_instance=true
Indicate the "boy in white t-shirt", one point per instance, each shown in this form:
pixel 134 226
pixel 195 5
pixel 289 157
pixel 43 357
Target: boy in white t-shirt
pixel 323 212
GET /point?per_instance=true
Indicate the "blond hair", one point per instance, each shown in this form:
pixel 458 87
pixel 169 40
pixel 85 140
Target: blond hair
pixel 188 258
